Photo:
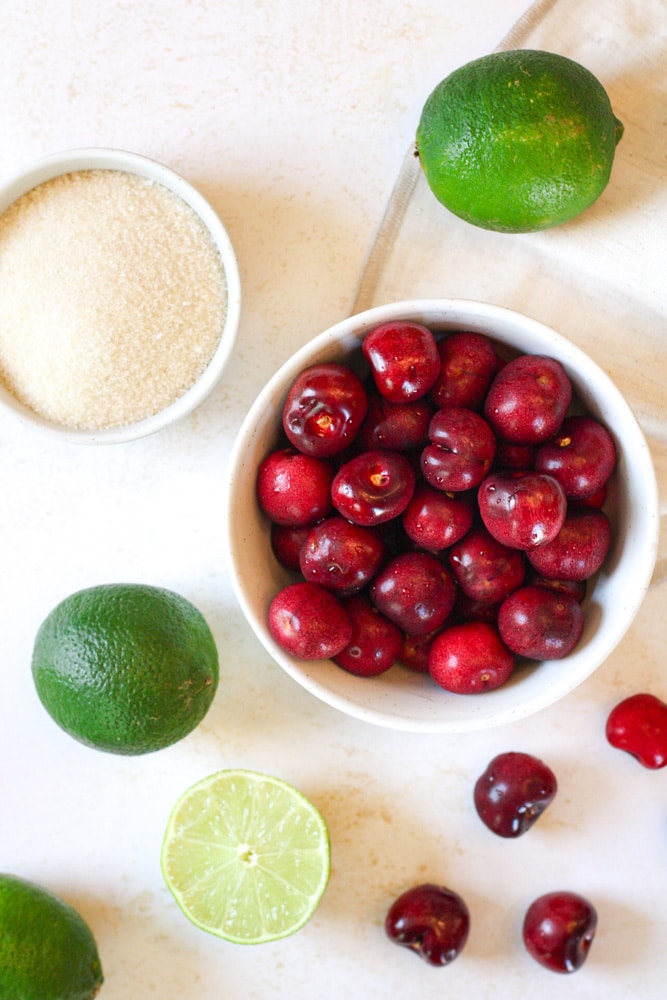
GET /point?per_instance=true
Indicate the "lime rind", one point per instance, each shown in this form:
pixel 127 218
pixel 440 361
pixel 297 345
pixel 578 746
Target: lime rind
pixel 246 856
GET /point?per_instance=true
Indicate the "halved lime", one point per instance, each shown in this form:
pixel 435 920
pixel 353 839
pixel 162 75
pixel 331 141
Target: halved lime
pixel 246 856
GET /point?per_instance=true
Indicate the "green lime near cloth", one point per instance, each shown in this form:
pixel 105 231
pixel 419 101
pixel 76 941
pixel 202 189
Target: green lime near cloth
pixel 127 668
pixel 518 141
pixel 47 950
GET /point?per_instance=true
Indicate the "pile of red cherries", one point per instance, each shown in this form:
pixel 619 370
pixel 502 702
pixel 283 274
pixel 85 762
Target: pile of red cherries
pixel 442 509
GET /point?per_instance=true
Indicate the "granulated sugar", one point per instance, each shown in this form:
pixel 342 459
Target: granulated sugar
pixel 112 298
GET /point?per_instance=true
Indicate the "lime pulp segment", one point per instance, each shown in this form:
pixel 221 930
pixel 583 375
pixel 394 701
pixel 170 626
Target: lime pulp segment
pixel 246 856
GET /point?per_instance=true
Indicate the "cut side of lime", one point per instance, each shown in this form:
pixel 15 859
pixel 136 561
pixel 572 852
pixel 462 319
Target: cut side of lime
pixel 246 856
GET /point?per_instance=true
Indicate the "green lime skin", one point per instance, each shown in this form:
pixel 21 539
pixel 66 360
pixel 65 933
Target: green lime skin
pixel 518 141
pixel 126 668
pixel 47 950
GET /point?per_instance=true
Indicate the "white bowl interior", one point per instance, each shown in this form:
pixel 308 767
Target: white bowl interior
pixel 69 161
pixel 399 698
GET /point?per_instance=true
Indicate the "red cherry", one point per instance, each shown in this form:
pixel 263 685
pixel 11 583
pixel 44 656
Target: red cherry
pixel 558 930
pixel 324 409
pixel 309 622
pixel 404 360
pixel 470 658
pixel 528 399
pixel 431 921
pixel 638 725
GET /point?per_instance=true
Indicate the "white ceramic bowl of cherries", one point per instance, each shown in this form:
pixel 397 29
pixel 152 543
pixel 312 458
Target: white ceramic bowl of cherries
pixel 441 516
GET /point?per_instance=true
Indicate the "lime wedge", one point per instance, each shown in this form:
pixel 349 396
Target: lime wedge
pixel 246 856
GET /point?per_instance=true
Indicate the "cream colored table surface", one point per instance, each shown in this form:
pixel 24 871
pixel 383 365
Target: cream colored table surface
pixel 292 117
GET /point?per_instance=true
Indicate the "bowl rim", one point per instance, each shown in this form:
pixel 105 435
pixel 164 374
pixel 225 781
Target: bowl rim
pixel 108 158
pixel 350 331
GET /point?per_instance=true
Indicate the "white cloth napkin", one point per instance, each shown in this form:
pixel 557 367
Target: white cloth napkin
pixel 600 279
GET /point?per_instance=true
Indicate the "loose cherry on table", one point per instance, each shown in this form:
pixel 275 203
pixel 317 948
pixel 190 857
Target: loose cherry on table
pixel 430 920
pixel 638 725
pixel 512 793
pixel 558 930
pixel 579 549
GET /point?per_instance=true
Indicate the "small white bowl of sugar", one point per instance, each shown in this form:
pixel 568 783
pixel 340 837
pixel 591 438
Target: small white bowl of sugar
pixel 119 296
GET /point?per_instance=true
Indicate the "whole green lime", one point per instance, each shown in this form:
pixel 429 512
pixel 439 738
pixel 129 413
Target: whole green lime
pixel 126 668
pixel 518 141
pixel 47 950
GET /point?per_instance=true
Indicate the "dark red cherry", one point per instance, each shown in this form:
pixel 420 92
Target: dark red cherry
pixel 540 624
pixel 324 409
pixel 403 358
pixel 528 399
pixel 581 456
pixel 416 591
pixel 513 792
pixel 578 550
pixel 468 362
pixel 461 450
pixel 376 642
pixel 373 487
pixel 522 510
pixel 558 930
pixel 470 658
pixel 340 555
pixel 431 921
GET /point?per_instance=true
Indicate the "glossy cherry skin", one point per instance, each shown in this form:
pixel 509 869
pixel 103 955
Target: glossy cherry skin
pixel 309 622
pixel 286 542
pixel 528 398
pixel 294 489
pixel 558 930
pixel 578 550
pixel 461 450
pixel 523 510
pixel 431 921
pixel 395 426
pixel 403 358
pixel 513 792
pixel 468 363
pixel 540 624
pixel 581 456
pixel 340 555
pixel 434 520
pixel 484 568
pixel 324 409
pixel 638 725
pixel 469 658
pixel 373 487
pixel 416 591
pixel 376 642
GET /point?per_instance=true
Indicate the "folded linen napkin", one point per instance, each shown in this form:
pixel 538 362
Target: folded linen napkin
pixel 599 279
